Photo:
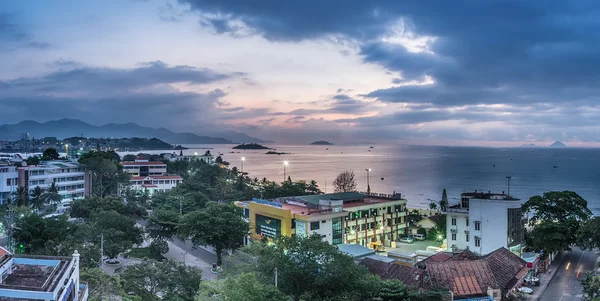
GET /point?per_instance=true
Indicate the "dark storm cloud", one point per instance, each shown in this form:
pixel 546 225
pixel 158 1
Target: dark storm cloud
pixel 99 94
pixel 339 103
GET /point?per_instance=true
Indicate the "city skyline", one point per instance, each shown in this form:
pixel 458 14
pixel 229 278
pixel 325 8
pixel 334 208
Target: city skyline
pixel 504 73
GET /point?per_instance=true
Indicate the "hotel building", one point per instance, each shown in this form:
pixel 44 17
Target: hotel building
pixel 72 181
pixel 484 222
pixel 339 218
pixel 8 181
pixel 149 176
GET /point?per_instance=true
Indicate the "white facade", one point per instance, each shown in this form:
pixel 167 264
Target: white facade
pixel 484 222
pixel 151 184
pixel 142 168
pixel 8 181
pixel 69 177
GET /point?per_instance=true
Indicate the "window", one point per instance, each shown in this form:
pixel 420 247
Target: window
pixel 363 227
pixel 477 241
pixel 467 237
pixel 454 221
pixel 453 236
pixel 314 225
pixel 372 225
pixel 467 222
pixel 464 203
pixel 477 226
pixel 8 182
pixel 337 234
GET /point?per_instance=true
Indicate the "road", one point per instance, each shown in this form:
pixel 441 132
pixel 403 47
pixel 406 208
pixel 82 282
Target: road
pixel 565 285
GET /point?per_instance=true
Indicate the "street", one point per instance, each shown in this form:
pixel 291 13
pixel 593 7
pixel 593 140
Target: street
pixel 565 285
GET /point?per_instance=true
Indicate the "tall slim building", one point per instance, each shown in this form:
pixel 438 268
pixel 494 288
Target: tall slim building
pixel 484 222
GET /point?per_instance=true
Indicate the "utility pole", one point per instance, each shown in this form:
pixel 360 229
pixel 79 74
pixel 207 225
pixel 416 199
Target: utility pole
pixel 101 250
pixel 9 231
pixel 275 277
pixel 368 170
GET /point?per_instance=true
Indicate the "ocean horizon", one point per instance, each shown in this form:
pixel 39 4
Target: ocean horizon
pixel 420 173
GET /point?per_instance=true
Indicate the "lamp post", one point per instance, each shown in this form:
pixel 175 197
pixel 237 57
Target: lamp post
pixel 368 170
pixel 508 179
pixel 67 150
pixel 243 159
pixel 285 165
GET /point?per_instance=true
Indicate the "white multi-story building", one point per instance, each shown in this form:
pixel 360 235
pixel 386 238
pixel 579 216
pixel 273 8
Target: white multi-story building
pixel 72 181
pixel 484 222
pixel 8 181
pixel 149 176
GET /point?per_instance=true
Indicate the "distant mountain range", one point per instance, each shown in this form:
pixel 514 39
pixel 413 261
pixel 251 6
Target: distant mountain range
pixel 65 128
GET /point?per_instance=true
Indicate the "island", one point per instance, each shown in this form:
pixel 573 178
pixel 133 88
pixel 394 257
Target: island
pixel 276 153
pixel 529 145
pixel 321 142
pixel 558 144
pixel 250 146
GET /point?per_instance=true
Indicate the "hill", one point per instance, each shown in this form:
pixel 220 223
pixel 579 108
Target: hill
pixel 558 144
pixel 250 146
pixel 65 128
pixel 321 142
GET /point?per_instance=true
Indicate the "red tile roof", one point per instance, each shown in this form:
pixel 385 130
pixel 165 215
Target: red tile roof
pixel 143 163
pixel 169 177
pixel 439 257
pixel 508 268
pixel 464 278
pixel 409 276
pixel 3 252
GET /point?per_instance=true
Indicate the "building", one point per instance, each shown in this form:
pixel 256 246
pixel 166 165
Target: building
pixel 150 177
pixel 467 275
pixel 484 222
pixel 72 181
pixel 428 223
pixel 40 278
pixel 348 217
pixel 8 181
pixel 207 157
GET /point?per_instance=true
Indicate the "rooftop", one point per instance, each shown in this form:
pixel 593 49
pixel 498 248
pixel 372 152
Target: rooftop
pixel 142 163
pixel 409 276
pixel 355 250
pixel 173 177
pixel 343 196
pixel 488 196
pixel 368 201
pixel 52 165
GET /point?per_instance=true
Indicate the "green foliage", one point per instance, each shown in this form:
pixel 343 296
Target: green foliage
pixel 152 252
pixel 52 195
pixel 33 160
pixel 129 158
pixel 444 201
pixel 556 219
pixel 20 196
pixel 311 269
pixel 345 182
pixel 173 280
pixel 588 234
pixel 219 225
pixel 244 287
pixel 37 201
pixel 591 287
pixel 50 154
pixel 106 172
pixel 102 286
pixel 120 231
pixel 85 208
pixel 162 224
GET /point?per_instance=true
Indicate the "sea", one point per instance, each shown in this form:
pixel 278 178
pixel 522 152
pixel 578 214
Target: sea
pixel 420 173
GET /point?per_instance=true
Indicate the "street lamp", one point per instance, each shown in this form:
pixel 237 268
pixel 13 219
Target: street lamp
pixel 67 150
pixel 368 170
pixel 243 159
pixel 285 165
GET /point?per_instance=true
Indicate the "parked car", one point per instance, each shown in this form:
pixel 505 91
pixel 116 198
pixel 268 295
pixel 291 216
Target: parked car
pixel 525 290
pixel 418 236
pixel 407 240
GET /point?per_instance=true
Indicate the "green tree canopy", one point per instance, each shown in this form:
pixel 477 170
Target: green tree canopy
pixel 102 286
pixel 120 232
pixel 85 208
pixel 444 201
pixel 591 287
pixel 588 234
pixel 129 158
pixel 172 279
pixel 557 206
pixel 219 225
pixel 50 154
pixel 106 172
pixel 243 287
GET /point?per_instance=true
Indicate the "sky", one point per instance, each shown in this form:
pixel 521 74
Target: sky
pixel 485 73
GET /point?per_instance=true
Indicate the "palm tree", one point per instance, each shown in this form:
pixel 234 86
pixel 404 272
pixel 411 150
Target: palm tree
pixel 51 196
pixel 37 198
pixel 21 196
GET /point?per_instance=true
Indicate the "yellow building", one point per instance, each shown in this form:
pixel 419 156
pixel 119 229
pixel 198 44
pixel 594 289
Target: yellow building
pixel 336 217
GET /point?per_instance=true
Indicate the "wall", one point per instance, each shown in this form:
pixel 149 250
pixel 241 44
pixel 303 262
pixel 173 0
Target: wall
pixel 461 226
pixel 325 228
pixel 274 212
pixel 493 217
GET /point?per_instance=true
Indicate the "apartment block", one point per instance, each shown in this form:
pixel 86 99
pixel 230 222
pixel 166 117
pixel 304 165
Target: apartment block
pixel 150 177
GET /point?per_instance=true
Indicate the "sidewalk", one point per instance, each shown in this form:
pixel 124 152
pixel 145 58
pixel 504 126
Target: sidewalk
pixel 546 278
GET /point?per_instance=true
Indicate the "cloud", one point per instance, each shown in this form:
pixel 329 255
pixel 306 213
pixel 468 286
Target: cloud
pixel 13 36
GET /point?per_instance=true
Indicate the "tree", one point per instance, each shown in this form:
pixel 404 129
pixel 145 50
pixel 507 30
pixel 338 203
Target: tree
pixel 106 172
pixel 33 160
pixel 557 217
pixel 85 208
pixel 243 287
pixel 172 279
pixel 163 224
pixel 43 236
pixel 591 288
pixel 444 201
pixel 21 196
pixel 219 225
pixel 37 200
pixel 432 206
pixel 345 182
pixel 50 154
pixel 219 160
pixel 120 232
pixel 102 286
pixel 588 234
pixel 52 195
pixel 311 269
